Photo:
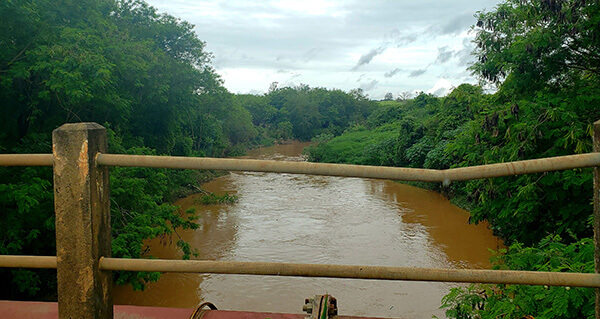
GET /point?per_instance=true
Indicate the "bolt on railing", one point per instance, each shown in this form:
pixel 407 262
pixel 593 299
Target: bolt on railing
pixel 83 233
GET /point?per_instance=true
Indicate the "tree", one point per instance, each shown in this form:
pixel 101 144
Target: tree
pixel 262 112
pixel 273 86
pixel 388 97
pixel 404 96
pixel 359 94
pixel 142 74
pixel 531 44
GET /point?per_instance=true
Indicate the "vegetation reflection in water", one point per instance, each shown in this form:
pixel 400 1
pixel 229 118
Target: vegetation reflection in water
pixel 317 219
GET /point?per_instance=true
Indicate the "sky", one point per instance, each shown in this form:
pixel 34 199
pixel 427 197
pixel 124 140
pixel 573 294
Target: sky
pixel 379 46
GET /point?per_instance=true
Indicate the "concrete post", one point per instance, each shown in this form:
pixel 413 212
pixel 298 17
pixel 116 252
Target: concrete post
pixel 81 201
pixel 597 213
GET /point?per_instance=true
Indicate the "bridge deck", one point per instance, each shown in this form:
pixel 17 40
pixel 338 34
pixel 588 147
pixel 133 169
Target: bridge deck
pixel 49 310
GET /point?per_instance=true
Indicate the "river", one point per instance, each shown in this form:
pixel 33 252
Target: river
pixel 324 220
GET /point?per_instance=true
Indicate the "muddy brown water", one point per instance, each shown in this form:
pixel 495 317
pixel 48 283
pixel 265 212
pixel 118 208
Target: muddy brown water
pixel 324 220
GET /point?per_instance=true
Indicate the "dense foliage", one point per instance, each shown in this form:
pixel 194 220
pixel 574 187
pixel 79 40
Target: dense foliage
pixel 529 45
pixel 540 302
pixel 544 56
pixel 302 112
pixel 148 79
pixel 117 63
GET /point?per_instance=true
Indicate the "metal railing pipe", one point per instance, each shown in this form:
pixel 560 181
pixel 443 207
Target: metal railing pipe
pixel 379 172
pixel 317 270
pixel 541 165
pixel 251 165
pixel 20 261
pixel 26 160
pixel 354 272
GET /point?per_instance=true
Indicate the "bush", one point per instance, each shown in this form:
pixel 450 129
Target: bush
pixel 520 301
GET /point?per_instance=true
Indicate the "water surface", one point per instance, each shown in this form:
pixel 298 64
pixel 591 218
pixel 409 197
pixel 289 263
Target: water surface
pixel 323 220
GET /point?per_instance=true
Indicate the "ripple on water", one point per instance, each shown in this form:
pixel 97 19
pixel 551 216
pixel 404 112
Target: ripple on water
pixel 323 220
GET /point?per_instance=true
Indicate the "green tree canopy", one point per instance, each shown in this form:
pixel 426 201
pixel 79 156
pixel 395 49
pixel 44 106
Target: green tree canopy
pixel 532 44
pixel 144 75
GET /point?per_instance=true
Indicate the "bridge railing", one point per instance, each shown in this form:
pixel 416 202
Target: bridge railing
pixel 83 234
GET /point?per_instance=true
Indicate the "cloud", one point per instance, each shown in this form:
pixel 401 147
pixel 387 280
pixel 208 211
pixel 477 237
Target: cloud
pixel 400 39
pixel 417 73
pixel 441 87
pixel 395 37
pixel 326 39
pixel 307 56
pixel 366 58
pixel 444 55
pixel 458 23
pixel 310 54
pixel 454 26
pixel 464 55
pixel 391 73
pixel 310 7
pixel 256 92
pixel 369 86
pixel 440 92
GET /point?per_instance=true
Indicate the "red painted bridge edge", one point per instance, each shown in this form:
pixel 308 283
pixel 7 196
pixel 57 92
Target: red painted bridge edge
pixel 49 310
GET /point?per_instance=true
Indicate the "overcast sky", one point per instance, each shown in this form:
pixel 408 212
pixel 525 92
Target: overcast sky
pixel 379 46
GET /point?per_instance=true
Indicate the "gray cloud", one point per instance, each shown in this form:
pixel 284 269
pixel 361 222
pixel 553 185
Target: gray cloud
pixel 458 23
pixel 307 56
pixel 391 73
pixel 453 26
pixel 366 58
pixel 400 39
pixel 394 37
pixel 369 86
pixel 444 55
pixel 251 39
pixel 417 73
pixel 310 54
pixel 464 55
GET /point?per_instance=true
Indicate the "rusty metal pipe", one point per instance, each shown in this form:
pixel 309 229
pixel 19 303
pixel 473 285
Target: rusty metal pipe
pixel 355 272
pixel 379 172
pixel 19 261
pixel 26 159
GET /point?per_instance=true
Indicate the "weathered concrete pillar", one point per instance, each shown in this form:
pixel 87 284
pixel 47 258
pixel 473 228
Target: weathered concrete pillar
pixel 597 213
pixel 81 201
